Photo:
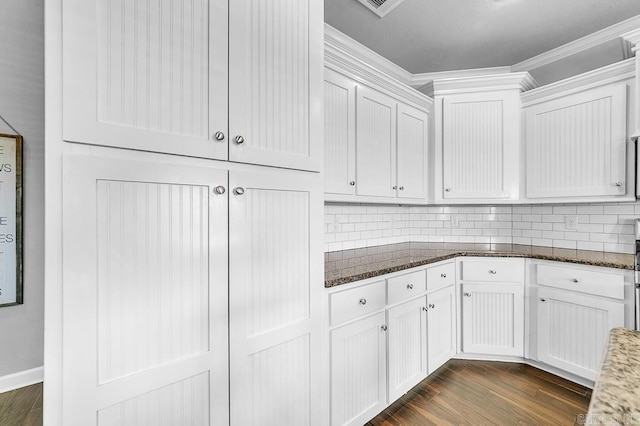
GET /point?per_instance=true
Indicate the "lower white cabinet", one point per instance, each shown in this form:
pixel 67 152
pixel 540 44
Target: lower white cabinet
pixel 573 329
pixel 441 327
pixel 493 319
pixel 358 370
pixel 407 342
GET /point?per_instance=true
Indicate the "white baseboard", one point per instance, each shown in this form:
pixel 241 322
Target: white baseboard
pixel 21 379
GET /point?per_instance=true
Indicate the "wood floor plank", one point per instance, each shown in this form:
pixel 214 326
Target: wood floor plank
pixel 16 406
pixel 464 392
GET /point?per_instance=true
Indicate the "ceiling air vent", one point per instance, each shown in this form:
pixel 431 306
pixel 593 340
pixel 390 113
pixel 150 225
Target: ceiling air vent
pixel 381 7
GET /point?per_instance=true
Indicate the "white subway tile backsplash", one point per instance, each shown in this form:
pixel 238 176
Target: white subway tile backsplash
pixel 599 226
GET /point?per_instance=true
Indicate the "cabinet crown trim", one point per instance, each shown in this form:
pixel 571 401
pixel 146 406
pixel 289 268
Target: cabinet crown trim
pixel 521 81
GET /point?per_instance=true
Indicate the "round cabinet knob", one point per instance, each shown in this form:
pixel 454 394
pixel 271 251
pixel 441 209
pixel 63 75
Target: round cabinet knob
pixel 219 136
pixel 443 275
pixel 618 184
pixel 239 139
pixel 492 271
pixel 424 308
pixel 219 190
pixel 575 280
pixel 401 188
pixel 383 327
pixel 239 190
pixel 352 183
pixel 432 306
pixel 363 301
pixel 543 300
pixel 395 187
pixel 410 286
pixel 467 294
pixel 447 190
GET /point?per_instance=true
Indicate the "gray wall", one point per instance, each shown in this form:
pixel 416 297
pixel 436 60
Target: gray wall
pixel 22 105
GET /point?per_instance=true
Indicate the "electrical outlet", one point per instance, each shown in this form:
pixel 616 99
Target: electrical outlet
pixel 571 222
pixel 455 221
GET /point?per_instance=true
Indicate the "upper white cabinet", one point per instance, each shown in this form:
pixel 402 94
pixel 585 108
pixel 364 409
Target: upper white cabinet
pixel 576 139
pixel 477 138
pixel 196 78
pixel 339 134
pixel 411 153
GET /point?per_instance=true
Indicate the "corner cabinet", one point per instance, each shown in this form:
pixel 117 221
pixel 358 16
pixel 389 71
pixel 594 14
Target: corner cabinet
pixel 576 145
pixel 204 76
pixel 376 145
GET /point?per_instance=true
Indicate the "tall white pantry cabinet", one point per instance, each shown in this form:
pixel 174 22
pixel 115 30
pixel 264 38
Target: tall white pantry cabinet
pixel 184 212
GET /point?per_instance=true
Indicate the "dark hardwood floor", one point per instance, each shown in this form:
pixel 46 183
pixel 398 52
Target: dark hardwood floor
pixel 488 393
pixel 459 393
pixel 22 407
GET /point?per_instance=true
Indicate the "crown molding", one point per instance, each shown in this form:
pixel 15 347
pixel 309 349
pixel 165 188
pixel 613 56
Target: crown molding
pixel 521 81
pixel 613 73
pixel 346 44
pixel 576 46
pixel 633 38
pixel 421 79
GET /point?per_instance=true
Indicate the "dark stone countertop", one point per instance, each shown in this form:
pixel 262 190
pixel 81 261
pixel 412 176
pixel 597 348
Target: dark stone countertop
pixel 346 266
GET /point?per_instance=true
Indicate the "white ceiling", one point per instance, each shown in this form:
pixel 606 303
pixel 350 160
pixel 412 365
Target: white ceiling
pixel 425 36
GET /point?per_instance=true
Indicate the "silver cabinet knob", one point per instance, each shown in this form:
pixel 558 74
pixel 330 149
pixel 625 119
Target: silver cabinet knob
pixel 618 184
pixel 410 286
pixel 424 308
pixel 447 190
pixel 575 280
pixel 432 305
pixel 383 327
pixel 443 275
pixel 363 301
pixel 467 294
pixel 219 136
pixel 239 190
pixel 219 190
pixel 239 139
pixel 401 188
pixel 492 271
pixel 395 187
pixel 543 300
pixel 352 183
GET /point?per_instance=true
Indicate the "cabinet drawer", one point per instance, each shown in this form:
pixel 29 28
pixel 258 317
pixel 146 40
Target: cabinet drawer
pixel 405 286
pixel 441 276
pixel 356 302
pixel 493 270
pixel 598 283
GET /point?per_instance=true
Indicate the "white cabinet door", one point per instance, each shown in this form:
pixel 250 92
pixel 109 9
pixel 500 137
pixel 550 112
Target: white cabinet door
pixel 412 134
pixel 573 329
pixel 140 75
pixel 358 371
pixel 481 134
pixel 441 327
pixel 375 144
pixel 493 319
pixel 275 82
pixel 144 327
pixel 275 279
pixel 576 145
pixel 339 134
pixel 407 345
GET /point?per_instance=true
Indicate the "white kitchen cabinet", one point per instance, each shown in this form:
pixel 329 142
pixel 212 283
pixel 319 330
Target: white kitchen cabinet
pixel 205 82
pixel 572 329
pixel 411 154
pixel 480 145
pixel 441 327
pixel 407 345
pixel 358 370
pixel 576 144
pixel 493 319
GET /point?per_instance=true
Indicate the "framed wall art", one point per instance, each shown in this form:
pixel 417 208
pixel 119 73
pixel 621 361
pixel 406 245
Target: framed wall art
pixel 10 220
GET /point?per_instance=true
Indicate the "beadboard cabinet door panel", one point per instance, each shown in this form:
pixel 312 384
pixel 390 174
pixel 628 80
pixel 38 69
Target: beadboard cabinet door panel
pixel 275 280
pixel 145 293
pixel 339 134
pixel 375 144
pixel 576 144
pixel 149 76
pixel 407 346
pixel 412 134
pixel 573 329
pixel 441 327
pixel 275 86
pixel 358 371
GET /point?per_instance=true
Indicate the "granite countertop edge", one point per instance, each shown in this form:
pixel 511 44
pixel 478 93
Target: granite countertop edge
pixel 438 258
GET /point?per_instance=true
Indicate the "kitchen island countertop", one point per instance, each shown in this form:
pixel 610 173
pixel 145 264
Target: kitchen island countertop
pixel 346 266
